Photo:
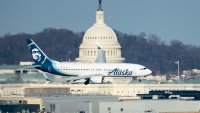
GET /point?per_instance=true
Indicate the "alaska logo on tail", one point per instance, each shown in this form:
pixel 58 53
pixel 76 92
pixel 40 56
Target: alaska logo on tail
pixel 39 57
pixel 41 61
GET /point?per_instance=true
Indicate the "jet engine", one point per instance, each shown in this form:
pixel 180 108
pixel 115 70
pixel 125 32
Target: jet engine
pixel 96 79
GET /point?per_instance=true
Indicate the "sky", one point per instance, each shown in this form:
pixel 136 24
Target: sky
pixel 169 19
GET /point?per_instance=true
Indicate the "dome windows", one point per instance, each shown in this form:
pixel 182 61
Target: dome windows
pixel 109 52
pixel 99 38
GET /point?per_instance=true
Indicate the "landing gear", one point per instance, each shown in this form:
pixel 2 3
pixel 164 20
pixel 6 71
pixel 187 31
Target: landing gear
pixel 87 81
pixel 102 80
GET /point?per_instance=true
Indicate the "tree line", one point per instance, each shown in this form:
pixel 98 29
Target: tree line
pixel 63 45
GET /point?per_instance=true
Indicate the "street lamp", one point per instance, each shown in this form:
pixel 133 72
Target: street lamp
pixel 177 62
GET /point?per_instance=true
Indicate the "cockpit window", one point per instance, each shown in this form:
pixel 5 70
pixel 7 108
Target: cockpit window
pixel 143 68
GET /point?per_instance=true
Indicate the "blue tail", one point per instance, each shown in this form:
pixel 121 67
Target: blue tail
pixel 38 55
pixel 41 61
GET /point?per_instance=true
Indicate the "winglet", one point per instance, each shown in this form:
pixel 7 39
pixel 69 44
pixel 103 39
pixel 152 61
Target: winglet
pixel 101 58
pixel 47 78
pixel 98 45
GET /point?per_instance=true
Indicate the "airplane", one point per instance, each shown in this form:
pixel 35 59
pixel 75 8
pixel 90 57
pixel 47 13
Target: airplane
pixel 94 72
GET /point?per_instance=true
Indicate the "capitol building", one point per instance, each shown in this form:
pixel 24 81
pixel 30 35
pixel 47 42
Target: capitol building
pixel 102 35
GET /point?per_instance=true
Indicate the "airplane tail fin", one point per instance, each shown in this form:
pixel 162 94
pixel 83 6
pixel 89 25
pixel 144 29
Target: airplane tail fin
pixel 38 55
pixel 101 58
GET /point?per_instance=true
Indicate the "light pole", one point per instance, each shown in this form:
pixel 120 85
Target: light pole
pixel 177 62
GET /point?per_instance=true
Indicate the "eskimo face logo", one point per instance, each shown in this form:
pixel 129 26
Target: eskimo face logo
pixel 36 54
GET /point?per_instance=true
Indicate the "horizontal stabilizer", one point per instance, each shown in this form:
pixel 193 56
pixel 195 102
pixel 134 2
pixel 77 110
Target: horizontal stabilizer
pixel 30 67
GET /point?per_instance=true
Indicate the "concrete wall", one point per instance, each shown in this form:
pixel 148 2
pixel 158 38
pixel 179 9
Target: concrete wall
pixel 75 104
pixel 46 91
pixel 7 71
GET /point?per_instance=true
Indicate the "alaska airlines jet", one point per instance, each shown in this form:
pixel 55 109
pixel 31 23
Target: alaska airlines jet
pixel 94 72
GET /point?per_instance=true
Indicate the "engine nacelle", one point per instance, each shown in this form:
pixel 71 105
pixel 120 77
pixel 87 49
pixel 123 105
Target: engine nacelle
pixel 96 79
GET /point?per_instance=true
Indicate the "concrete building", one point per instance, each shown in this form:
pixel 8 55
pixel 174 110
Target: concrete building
pixel 103 35
pixel 124 90
pixel 46 91
pixel 17 104
pixel 98 98
pixel 103 104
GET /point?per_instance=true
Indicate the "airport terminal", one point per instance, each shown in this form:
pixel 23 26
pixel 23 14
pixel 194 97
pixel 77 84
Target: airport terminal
pixel 25 90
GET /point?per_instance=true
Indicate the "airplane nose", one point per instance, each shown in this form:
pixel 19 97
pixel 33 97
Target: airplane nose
pixel 149 71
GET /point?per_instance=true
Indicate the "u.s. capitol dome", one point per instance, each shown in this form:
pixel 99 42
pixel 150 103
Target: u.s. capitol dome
pixel 102 35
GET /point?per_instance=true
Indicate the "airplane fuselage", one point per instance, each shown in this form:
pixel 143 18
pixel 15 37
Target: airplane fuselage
pixel 106 69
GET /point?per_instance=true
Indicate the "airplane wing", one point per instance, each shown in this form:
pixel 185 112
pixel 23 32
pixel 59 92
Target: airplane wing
pixel 30 67
pixel 101 58
pixel 73 79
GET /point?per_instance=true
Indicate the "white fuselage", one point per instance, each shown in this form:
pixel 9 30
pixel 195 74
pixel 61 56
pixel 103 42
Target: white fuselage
pixel 106 69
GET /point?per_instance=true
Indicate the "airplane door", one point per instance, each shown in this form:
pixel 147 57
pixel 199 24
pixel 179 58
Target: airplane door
pixel 49 68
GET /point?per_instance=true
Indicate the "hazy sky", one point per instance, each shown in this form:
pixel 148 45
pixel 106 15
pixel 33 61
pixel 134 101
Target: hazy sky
pixel 170 19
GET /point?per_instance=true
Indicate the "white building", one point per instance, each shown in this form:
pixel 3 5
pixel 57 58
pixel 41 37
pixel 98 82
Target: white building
pixel 103 35
pixel 123 90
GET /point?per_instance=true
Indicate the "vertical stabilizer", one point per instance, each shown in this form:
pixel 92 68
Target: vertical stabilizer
pixel 38 55
pixel 101 58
